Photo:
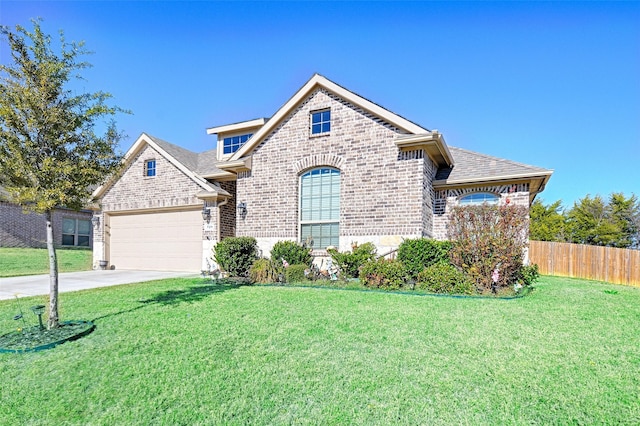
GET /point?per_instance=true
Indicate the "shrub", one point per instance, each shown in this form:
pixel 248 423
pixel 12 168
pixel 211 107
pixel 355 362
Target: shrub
pixel 350 262
pixel 263 271
pixel 417 254
pixel 235 255
pixel 295 273
pixel 487 238
pixel 528 275
pixel 383 274
pixel 444 278
pixel 292 252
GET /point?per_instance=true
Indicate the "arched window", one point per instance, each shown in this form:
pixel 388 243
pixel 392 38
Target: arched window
pixel 320 207
pixel 479 198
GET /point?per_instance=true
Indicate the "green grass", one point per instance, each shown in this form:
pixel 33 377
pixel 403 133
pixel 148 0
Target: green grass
pixel 185 351
pixel 31 261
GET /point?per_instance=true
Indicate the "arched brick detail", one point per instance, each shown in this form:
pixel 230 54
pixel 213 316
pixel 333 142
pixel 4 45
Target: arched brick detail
pixel 312 161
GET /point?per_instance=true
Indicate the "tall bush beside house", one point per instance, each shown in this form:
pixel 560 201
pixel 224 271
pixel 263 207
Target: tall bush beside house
pixel 488 243
pixel 417 254
pixel 235 255
pixel 292 252
pixel 350 262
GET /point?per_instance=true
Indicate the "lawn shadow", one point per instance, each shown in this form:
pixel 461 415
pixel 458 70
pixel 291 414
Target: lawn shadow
pixel 193 293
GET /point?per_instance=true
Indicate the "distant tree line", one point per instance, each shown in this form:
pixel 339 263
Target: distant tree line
pixel 612 223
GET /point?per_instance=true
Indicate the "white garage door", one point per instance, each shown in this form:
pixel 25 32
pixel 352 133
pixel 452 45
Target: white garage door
pixel 167 241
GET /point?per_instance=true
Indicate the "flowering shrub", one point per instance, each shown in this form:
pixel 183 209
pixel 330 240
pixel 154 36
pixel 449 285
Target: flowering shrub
pixel 486 239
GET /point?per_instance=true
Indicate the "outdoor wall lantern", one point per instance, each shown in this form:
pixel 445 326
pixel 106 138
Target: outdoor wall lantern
pixel 95 221
pixel 242 209
pixel 206 213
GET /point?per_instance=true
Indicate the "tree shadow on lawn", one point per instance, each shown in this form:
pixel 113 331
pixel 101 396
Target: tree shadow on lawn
pixel 193 293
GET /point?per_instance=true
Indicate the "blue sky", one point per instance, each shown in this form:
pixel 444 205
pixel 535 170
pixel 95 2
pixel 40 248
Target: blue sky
pixel 555 85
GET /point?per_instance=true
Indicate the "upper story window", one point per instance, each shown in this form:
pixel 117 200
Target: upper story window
pixel 233 143
pixel 320 122
pixel 150 168
pixel 479 198
pixel 76 232
pixel 320 207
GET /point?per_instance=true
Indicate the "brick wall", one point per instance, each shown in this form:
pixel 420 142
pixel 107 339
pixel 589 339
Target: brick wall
pixel 382 190
pixel 20 229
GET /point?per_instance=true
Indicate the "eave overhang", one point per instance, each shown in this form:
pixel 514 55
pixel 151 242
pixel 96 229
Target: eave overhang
pixel 537 182
pixel 432 143
pixel 239 165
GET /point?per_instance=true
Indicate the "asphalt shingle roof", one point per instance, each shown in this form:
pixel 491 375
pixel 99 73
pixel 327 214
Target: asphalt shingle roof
pixel 471 165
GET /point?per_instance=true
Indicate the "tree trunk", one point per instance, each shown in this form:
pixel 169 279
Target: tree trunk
pixel 53 274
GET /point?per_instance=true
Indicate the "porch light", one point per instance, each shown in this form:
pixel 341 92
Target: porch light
pixel 206 213
pixel 242 208
pixel 95 221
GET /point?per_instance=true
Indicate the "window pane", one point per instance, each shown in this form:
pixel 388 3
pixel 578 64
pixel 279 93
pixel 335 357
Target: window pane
pixel 83 241
pixel 67 240
pixel 320 202
pixel 68 226
pixel 84 227
pixel 479 198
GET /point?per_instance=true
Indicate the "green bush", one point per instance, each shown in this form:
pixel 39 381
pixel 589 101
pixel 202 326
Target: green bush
pixel 383 274
pixel 292 252
pixel 528 275
pixel 295 273
pixel 263 271
pixel 350 262
pixel 235 255
pixel 444 278
pixel 417 254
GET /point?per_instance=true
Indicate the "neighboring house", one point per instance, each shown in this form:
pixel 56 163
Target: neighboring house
pixel 329 167
pixel 20 228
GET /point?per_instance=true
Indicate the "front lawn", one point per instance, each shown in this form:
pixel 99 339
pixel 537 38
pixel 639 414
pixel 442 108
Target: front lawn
pixel 188 351
pixel 32 261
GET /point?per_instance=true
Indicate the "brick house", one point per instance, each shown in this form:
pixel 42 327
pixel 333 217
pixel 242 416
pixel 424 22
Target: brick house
pixel 19 228
pixel 329 167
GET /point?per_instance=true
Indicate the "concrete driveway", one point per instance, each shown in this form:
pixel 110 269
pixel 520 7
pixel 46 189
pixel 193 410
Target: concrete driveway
pixel 35 285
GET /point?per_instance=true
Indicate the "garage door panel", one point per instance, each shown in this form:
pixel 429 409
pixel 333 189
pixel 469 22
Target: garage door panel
pixel 157 241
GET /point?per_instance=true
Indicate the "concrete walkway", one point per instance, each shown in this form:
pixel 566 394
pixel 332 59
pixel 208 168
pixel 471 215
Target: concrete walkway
pixel 35 285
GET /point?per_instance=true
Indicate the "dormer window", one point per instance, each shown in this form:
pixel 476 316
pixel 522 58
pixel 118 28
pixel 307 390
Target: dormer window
pixel 320 122
pixel 150 168
pixel 233 143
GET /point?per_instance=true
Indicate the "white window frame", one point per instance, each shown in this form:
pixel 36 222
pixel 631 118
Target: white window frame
pixel 319 243
pixel 148 169
pixel 320 123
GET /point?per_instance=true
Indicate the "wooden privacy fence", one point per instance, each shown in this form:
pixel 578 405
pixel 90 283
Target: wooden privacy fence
pixel 614 265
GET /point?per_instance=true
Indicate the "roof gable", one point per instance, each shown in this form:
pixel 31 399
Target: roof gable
pixel 184 160
pixel 318 81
